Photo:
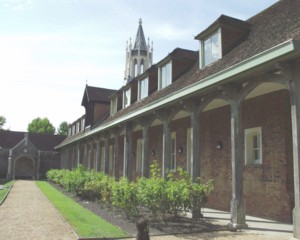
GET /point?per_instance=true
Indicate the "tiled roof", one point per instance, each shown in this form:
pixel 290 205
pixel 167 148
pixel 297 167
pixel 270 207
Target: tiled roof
pixel 275 25
pixel 95 94
pixel 43 142
pixel 221 21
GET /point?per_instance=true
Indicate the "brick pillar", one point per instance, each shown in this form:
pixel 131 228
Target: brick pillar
pixel 295 117
pixel 237 203
pixel 127 166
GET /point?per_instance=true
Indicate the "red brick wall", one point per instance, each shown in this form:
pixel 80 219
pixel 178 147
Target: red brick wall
pixel 216 164
pixel 135 136
pixel 100 110
pixel 269 187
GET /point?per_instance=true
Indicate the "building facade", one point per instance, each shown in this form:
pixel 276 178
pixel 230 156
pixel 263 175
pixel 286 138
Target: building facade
pixel 228 112
pixel 28 155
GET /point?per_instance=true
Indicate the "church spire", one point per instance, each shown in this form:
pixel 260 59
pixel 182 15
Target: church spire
pixel 138 57
pixel 140 42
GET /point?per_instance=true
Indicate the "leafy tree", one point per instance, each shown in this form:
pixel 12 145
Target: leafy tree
pixel 41 125
pixel 2 121
pixel 63 128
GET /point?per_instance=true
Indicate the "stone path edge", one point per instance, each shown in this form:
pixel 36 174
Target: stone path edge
pixel 60 215
pixel 74 232
pixel 7 193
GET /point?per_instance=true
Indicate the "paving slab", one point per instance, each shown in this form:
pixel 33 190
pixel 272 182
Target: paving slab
pixel 27 214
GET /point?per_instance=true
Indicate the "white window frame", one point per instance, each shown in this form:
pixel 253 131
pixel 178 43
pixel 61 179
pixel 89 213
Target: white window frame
pixel 126 97
pixel 143 86
pixel 113 106
pixel 253 154
pixel 165 75
pixel 139 155
pixel 173 151
pixel 203 54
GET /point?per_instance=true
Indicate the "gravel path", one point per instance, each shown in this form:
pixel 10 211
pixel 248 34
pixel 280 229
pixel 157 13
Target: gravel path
pixel 27 214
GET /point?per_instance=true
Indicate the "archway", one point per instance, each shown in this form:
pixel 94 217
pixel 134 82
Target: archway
pixel 24 168
pixel 268 171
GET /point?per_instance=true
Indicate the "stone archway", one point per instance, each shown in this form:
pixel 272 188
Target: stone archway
pixel 24 168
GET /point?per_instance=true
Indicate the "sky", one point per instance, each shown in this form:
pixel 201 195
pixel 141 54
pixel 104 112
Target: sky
pixel 50 49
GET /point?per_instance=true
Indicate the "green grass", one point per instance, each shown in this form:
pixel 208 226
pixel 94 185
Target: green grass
pixel 84 222
pixel 4 191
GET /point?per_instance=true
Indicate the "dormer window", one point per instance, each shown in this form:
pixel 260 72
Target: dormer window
pixel 165 75
pixel 211 49
pixel 225 34
pixel 113 106
pixel 143 88
pixel 126 97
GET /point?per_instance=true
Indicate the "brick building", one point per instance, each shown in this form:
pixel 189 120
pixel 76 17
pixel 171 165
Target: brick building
pixel 28 155
pixel 228 112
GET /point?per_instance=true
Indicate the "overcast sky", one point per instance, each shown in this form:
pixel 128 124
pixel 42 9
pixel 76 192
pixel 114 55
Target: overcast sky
pixel 49 49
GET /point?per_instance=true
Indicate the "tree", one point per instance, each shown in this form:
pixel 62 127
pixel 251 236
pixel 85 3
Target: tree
pixel 41 125
pixel 63 128
pixel 2 121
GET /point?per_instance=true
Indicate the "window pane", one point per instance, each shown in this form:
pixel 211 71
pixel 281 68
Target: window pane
pixel 215 47
pixel 143 88
pixel 253 147
pixel 127 97
pixel 166 75
pixel 212 48
pixel 207 51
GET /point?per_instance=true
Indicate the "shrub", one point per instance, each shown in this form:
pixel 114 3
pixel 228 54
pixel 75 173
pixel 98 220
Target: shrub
pixel 161 196
pixel 124 196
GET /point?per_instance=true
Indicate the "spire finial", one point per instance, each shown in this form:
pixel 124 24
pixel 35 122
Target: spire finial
pixel 140 21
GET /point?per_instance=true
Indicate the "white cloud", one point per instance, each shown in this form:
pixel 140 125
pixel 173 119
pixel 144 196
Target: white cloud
pixel 18 5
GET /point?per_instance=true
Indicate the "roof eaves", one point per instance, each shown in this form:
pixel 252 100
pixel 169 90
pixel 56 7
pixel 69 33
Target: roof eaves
pixel 288 47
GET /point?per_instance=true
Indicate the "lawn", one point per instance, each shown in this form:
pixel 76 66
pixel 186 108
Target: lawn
pixel 4 191
pixel 84 222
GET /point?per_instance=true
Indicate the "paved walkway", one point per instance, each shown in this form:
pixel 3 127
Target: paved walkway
pixel 258 229
pixel 27 214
